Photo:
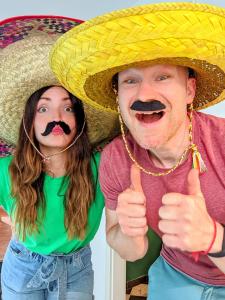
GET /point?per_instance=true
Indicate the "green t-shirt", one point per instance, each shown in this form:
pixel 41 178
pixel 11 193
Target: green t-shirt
pixel 52 236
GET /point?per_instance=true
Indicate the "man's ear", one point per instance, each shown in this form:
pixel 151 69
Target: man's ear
pixel 191 89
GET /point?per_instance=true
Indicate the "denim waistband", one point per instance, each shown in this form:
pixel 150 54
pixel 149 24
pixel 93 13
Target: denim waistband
pixel 52 268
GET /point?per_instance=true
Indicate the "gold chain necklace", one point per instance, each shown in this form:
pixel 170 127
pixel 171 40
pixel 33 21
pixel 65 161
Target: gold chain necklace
pixel 198 163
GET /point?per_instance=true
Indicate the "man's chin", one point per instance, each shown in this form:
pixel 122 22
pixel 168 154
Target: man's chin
pixel 147 143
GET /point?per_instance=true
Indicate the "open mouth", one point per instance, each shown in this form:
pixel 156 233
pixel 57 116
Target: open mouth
pixel 149 117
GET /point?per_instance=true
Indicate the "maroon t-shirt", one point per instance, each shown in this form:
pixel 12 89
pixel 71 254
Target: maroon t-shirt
pixel 209 135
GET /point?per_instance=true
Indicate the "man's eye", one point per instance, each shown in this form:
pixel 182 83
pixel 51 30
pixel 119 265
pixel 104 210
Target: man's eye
pixel 130 81
pixel 162 77
pixel 42 109
pixel 68 109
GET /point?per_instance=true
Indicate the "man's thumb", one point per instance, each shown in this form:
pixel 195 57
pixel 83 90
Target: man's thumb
pixel 193 181
pixel 135 178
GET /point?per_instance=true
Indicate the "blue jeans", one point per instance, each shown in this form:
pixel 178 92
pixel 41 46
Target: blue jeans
pixel 30 276
pixel 167 283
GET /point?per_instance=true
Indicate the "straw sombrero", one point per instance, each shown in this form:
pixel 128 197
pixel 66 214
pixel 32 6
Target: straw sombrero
pixel 5 149
pixel 25 43
pixel 185 34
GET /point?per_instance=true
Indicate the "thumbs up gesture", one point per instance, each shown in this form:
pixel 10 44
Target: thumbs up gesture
pixel 131 207
pixel 185 222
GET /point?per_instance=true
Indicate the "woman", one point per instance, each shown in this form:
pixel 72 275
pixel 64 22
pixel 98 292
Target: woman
pixel 49 186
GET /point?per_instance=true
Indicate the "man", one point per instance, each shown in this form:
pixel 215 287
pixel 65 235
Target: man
pixel 159 64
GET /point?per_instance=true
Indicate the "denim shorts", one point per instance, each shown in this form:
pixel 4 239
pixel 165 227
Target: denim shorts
pixel 30 276
pixel 165 282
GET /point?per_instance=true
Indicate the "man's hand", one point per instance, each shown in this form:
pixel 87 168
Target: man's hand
pixel 185 222
pixel 131 207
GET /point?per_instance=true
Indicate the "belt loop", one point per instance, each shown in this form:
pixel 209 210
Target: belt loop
pixel 62 280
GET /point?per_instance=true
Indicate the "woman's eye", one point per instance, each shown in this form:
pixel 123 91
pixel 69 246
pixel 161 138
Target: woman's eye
pixel 42 109
pixel 68 109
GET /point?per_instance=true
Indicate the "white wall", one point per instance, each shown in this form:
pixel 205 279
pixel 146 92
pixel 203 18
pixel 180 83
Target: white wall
pixel 99 256
pixel 80 9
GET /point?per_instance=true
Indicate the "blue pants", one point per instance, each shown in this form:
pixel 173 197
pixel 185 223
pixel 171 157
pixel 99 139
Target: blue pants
pixel 167 283
pixel 27 275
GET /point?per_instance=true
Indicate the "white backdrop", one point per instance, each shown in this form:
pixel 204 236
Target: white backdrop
pixel 85 9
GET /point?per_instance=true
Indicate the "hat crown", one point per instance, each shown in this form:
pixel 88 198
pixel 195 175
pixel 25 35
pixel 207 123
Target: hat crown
pixel 37 40
pixel 184 33
pixel 25 43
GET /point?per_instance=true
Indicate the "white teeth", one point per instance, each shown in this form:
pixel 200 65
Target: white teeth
pixel 151 112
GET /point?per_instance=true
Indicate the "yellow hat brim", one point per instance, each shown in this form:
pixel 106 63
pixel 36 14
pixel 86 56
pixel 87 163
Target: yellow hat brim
pixel 193 35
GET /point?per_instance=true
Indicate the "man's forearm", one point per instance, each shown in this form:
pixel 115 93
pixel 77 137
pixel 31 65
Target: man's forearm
pixel 129 248
pixel 217 247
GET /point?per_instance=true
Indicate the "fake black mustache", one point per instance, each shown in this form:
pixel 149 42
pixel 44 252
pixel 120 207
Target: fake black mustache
pixel 150 105
pixel 52 124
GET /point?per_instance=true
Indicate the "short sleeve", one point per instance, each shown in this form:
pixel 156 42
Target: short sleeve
pixel 5 190
pixel 107 177
pixel 99 197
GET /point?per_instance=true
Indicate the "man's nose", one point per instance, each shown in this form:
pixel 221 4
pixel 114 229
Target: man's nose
pixel 146 92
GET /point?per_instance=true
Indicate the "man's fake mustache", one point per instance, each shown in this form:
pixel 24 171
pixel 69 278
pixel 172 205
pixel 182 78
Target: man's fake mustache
pixel 150 105
pixel 51 125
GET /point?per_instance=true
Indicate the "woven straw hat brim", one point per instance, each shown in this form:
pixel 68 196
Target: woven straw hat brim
pixel 5 149
pixel 185 34
pixel 24 68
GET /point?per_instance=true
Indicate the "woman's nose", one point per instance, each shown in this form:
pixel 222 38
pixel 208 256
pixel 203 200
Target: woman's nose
pixel 57 115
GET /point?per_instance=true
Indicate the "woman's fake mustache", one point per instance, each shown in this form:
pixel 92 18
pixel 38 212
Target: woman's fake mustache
pixel 51 125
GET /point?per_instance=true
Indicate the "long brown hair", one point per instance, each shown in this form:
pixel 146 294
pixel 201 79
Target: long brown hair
pixel 27 175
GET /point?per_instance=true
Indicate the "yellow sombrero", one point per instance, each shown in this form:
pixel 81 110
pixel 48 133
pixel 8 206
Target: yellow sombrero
pixel 185 34
pixel 25 42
